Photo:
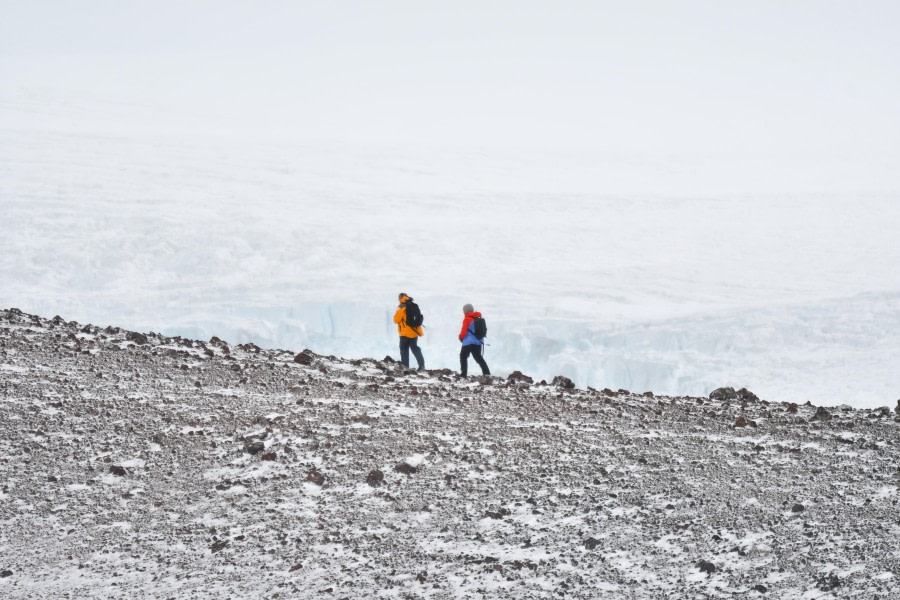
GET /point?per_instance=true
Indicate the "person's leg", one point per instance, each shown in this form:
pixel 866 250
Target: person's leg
pixel 476 354
pixel 404 351
pixel 417 352
pixel 464 360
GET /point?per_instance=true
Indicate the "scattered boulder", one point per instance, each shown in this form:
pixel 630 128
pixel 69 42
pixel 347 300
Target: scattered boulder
pixel 6 573
pixel 405 468
pixel 375 478
pixel 591 543
pixel 706 567
pixel 216 546
pixel 723 393
pixel 741 422
pixel 792 408
pixel 304 358
pixel 254 447
pixel 798 508
pixel 821 414
pixel 648 394
pixel 137 338
pixel 563 382
pixel 269 456
pixel 118 471
pixel 760 588
pixel 746 395
pixel 316 477
pixel 519 377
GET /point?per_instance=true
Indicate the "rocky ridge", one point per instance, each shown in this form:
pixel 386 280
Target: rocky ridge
pixel 139 465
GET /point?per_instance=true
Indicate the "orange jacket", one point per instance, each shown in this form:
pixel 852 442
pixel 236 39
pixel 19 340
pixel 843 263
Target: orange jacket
pixel 400 319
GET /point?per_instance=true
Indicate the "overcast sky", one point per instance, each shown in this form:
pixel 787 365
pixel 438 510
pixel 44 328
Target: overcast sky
pixel 792 79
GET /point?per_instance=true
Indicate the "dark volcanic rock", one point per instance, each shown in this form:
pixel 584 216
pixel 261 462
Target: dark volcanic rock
pixel 741 422
pixel 118 471
pixel 746 395
pixel 6 573
pixel 798 508
pixel 304 358
pixel 405 468
pixel 254 447
pixel 137 338
pixel 563 382
pixel 706 567
pixel 591 543
pixel 315 477
pixel 269 456
pixel 519 377
pixel 821 414
pixel 375 478
pixel 723 393
pixel 760 588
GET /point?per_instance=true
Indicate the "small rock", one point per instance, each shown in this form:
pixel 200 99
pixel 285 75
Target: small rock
pixel 375 478
pixel 706 567
pixel 315 477
pixel 118 471
pixel 741 422
pixel 821 414
pixel 405 468
pixel 760 588
pixel 304 358
pixel 137 338
pixel 254 447
pixel 746 395
pixel 421 577
pixel 792 408
pixel 269 456
pixel 216 546
pixel 723 393
pixel 519 377
pixel 563 382
pixel 591 543
pixel 6 573
pixel 797 508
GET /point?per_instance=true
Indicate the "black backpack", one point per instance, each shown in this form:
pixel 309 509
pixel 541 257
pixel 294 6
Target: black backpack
pixel 414 316
pixel 480 329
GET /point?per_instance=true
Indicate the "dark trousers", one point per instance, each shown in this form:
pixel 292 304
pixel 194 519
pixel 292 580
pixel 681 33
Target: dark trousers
pixel 407 344
pixel 475 351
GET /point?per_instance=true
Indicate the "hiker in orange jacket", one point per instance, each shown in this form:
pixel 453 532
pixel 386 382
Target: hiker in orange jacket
pixel 409 335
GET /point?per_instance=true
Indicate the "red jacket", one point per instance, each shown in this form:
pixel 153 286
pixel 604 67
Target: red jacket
pixel 465 326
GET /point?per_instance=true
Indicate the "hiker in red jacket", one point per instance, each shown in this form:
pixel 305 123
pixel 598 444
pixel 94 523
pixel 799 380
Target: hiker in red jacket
pixel 471 344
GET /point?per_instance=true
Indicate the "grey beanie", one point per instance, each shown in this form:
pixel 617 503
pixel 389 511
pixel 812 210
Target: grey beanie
pixel 467 308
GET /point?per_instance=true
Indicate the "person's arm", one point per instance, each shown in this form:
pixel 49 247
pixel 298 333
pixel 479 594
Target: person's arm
pixel 465 328
pixel 400 315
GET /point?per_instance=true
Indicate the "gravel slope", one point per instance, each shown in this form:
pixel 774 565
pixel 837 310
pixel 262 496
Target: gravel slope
pixel 136 465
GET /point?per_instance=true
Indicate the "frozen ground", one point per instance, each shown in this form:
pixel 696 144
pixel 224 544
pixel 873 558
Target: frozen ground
pixel 148 466
pixel 599 267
